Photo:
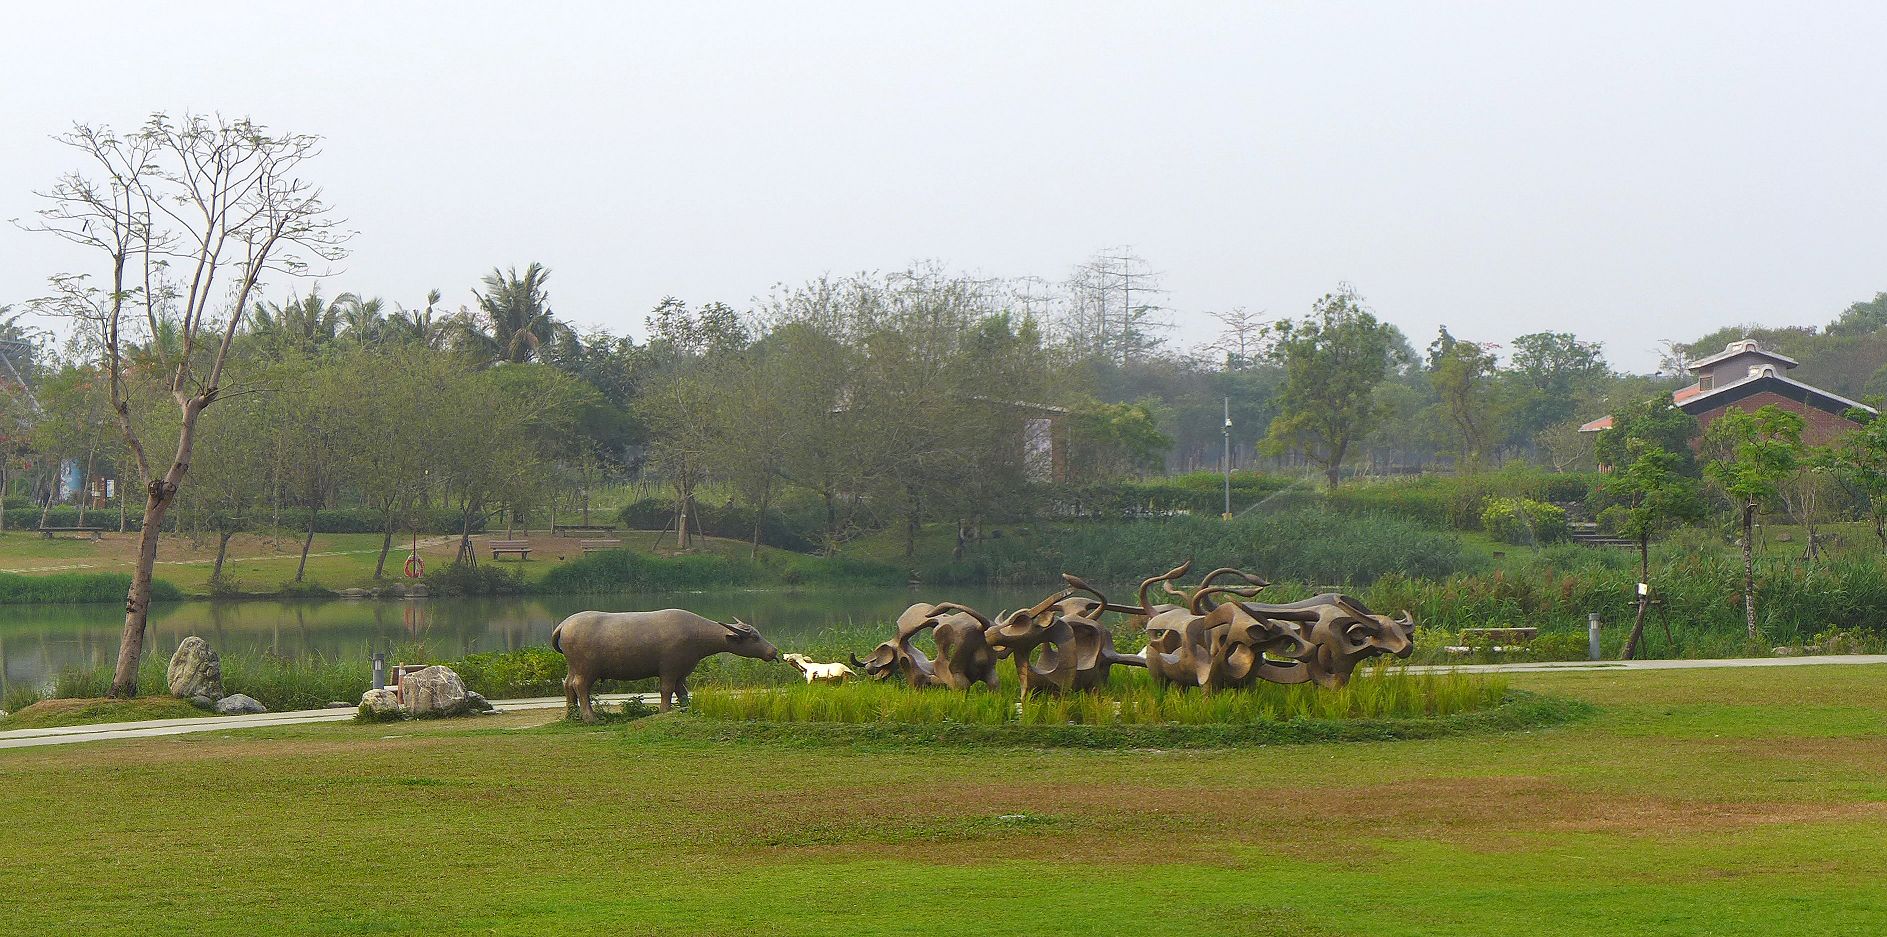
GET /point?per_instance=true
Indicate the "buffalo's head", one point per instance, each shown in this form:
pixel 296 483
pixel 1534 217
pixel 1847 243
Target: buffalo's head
pixel 744 640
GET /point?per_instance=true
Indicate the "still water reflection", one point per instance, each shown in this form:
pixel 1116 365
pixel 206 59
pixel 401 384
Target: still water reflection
pixel 37 642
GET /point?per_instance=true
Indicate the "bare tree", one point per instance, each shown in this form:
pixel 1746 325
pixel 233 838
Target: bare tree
pixel 187 216
pixel 1111 311
pixel 1241 336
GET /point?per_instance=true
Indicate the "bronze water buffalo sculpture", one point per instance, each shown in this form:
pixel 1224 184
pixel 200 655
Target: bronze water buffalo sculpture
pixel 635 645
pixel 1214 636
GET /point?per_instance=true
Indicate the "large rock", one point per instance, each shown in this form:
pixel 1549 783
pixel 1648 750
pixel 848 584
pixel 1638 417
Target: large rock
pixel 195 670
pixel 435 691
pixel 239 705
pixel 380 703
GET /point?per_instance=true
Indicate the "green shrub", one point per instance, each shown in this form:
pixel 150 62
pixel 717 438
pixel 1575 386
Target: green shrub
pixel 466 579
pixel 621 570
pixel 1524 521
pixel 731 521
pixel 1307 543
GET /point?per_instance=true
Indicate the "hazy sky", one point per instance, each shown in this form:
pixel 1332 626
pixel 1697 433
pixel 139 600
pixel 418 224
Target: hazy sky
pixel 1630 172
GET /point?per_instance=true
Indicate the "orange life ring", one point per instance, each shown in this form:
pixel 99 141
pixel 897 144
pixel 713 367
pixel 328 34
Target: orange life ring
pixel 415 567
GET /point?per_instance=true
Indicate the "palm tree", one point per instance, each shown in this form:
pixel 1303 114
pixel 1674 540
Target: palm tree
pixel 420 325
pixel 305 323
pixel 363 321
pixel 513 319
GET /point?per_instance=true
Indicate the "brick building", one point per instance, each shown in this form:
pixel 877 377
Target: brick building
pixel 1745 376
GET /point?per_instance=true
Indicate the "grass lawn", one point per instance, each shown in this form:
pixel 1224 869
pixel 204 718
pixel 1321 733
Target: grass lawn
pixel 1707 801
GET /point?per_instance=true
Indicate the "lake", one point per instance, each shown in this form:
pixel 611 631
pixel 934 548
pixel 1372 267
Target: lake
pixel 39 641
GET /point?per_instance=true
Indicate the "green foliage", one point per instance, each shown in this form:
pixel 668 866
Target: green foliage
pixel 1307 543
pixel 1751 453
pixel 1524 521
pixel 1649 492
pixel 1458 501
pixel 1649 422
pixel 1333 361
pixel 620 570
pixel 482 579
pixel 525 672
pixel 731 521
pixel 77 587
pixel 1109 440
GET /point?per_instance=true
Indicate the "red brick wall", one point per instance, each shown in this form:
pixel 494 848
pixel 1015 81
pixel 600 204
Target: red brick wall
pixel 1822 427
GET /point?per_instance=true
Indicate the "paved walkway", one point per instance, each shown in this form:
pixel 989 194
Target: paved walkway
pixel 107 731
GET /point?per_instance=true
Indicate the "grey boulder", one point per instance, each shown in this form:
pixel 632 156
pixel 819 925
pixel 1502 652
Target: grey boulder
pixel 239 705
pixel 195 670
pixel 436 691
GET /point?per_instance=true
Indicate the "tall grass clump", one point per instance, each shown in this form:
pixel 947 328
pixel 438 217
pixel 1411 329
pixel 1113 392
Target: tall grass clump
pixel 1378 692
pixel 77 587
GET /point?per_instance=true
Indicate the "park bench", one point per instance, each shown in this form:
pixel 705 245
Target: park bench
pixel 520 547
pixel 94 532
pixel 577 530
pixel 591 546
pixel 1494 639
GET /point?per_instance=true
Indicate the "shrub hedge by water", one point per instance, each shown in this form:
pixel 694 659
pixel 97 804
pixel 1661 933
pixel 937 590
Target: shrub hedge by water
pixel 1304 542
pixel 76 587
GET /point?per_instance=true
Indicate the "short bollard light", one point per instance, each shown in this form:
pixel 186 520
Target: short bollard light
pixel 1592 636
pixel 379 671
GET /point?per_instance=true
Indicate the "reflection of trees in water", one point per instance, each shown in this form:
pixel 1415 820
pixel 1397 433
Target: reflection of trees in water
pixel 40 641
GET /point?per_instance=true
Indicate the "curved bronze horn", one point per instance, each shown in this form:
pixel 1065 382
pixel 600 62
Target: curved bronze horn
pixel 1146 607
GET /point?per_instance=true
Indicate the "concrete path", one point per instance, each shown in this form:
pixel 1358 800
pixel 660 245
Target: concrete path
pixel 107 731
pixel 1577 665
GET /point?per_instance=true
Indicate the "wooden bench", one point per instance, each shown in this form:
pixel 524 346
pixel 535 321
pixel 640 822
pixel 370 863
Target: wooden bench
pixel 520 547
pixel 591 546
pixel 577 530
pixel 95 533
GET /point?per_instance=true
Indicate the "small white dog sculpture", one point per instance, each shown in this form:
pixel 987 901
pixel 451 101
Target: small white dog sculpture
pixel 830 673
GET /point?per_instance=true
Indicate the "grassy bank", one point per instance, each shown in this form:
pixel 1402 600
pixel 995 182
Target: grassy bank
pixel 1731 802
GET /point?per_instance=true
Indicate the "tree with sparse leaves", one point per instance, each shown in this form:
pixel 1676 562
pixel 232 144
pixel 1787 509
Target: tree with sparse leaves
pixel 1750 456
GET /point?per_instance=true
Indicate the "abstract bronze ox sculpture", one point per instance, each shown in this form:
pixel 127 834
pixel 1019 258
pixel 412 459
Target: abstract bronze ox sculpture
pixel 1213 637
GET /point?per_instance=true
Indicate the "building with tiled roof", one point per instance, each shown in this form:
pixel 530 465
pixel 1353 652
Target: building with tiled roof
pixel 1747 377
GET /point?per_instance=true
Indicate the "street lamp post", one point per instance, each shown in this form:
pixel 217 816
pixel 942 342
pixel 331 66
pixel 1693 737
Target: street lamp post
pixel 1228 458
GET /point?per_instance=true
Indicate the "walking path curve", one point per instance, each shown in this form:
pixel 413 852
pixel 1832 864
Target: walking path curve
pixel 108 731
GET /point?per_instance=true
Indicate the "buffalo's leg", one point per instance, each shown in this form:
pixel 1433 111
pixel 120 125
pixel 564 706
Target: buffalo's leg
pixel 668 694
pixel 569 695
pixel 584 683
pixel 681 690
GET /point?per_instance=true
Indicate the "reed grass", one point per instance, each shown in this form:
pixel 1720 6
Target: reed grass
pixel 1132 698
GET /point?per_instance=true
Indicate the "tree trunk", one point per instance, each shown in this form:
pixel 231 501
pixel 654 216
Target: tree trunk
pixel 832 521
pixel 158 496
pixel 759 522
pixel 222 550
pixel 124 500
pixel 1880 529
pixel 684 501
pixel 1749 568
pixel 306 542
pixel 386 545
pixel 3 494
pixel 467 556
pixel 1644 576
pixel 85 484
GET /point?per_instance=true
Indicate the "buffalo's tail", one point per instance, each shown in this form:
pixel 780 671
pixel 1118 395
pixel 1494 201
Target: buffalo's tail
pixel 556 638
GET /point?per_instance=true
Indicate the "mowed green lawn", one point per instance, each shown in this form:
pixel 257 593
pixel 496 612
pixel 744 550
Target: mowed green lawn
pixel 1696 802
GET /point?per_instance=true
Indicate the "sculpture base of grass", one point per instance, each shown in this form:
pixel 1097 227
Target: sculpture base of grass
pixel 1380 703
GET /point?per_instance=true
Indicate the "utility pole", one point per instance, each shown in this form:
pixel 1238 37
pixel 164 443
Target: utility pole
pixel 1228 458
